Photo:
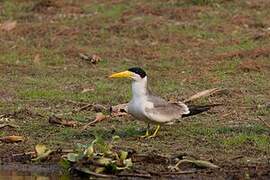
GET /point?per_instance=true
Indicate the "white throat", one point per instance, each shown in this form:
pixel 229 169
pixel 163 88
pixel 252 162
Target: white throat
pixel 139 88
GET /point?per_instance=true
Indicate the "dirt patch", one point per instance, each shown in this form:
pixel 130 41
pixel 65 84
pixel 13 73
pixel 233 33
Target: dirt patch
pixel 51 7
pixel 46 7
pixel 22 114
pixel 6 96
pixel 250 65
pixel 248 21
pixel 254 53
pixel 258 4
pixel 179 13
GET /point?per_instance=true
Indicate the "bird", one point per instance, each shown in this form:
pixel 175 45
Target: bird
pixel 153 109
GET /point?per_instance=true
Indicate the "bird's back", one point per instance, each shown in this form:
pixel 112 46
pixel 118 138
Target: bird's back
pixel 164 111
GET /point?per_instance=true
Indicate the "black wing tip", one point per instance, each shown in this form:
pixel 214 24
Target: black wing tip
pixel 193 109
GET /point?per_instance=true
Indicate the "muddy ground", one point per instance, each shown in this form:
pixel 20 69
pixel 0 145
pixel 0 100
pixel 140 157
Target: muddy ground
pixel 56 57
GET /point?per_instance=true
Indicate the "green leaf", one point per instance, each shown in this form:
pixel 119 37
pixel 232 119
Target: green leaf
pixel 42 152
pixel 72 157
pixel 111 168
pixel 40 149
pixel 128 163
pixel 65 164
pixel 123 155
pixel 115 138
pixel 80 147
pixel 89 151
pixel 104 161
pixel 100 170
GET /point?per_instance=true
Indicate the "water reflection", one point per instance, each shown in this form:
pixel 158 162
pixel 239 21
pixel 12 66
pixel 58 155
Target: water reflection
pixel 15 175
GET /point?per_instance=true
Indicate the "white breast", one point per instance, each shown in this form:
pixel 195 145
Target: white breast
pixel 136 107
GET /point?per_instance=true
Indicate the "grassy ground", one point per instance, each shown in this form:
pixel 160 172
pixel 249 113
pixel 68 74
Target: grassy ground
pixel 185 47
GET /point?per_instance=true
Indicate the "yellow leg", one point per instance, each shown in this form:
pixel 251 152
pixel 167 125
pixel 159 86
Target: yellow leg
pixel 155 133
pixel 147 132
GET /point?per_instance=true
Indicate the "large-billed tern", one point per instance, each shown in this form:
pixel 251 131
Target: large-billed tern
pixel 150 108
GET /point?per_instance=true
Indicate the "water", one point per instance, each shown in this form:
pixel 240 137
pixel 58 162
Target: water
pixel 17 175
pixel 31 172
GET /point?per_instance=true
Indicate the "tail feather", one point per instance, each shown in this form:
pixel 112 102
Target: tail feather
pixel 193 109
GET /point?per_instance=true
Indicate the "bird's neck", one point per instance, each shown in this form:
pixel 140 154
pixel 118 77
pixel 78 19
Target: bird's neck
pixel 139 88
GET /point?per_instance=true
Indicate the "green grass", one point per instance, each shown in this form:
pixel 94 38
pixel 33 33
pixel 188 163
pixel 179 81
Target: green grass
pixel 111 12
pixel 35 94
pixel 261 142
pixel 202 2
pixel 231 137
pixel 13 9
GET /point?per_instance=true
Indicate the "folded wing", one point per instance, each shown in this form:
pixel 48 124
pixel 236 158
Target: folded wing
pixel 165 112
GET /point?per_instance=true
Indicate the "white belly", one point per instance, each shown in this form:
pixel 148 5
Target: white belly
pixel 137 108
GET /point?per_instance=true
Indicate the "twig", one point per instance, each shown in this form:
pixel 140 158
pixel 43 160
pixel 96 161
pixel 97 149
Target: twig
pixel 10 125
pixel 237 157
pixel 33 152
pixel 99 117
pixel 204 93
pixel 87 171
pixel 82 108
pixel 265 123
pixel 100 175
pixel 67 150
pixel 179 172
pixel 88 124
pixel 198 163
pixel 135 175
pixel 25 153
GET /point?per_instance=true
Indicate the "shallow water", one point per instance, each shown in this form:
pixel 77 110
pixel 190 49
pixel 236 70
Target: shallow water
pixel 17 175
pixel 31 172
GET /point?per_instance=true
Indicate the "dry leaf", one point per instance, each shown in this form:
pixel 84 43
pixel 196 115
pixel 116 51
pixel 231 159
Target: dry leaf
pixel 8 25
pixel 85 90
pixel 204 93
pixel 99 117
pixel 93 59
pixel 118 110
pixel 37 59
pixel 11 139
pixel 61 121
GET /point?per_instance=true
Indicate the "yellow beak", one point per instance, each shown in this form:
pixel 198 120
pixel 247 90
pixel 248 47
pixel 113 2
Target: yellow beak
pixel 124 74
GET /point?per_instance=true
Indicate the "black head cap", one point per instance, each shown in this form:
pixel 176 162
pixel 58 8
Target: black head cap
pixel 138 71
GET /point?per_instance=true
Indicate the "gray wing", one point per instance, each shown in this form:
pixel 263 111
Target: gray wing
pixel 163 111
